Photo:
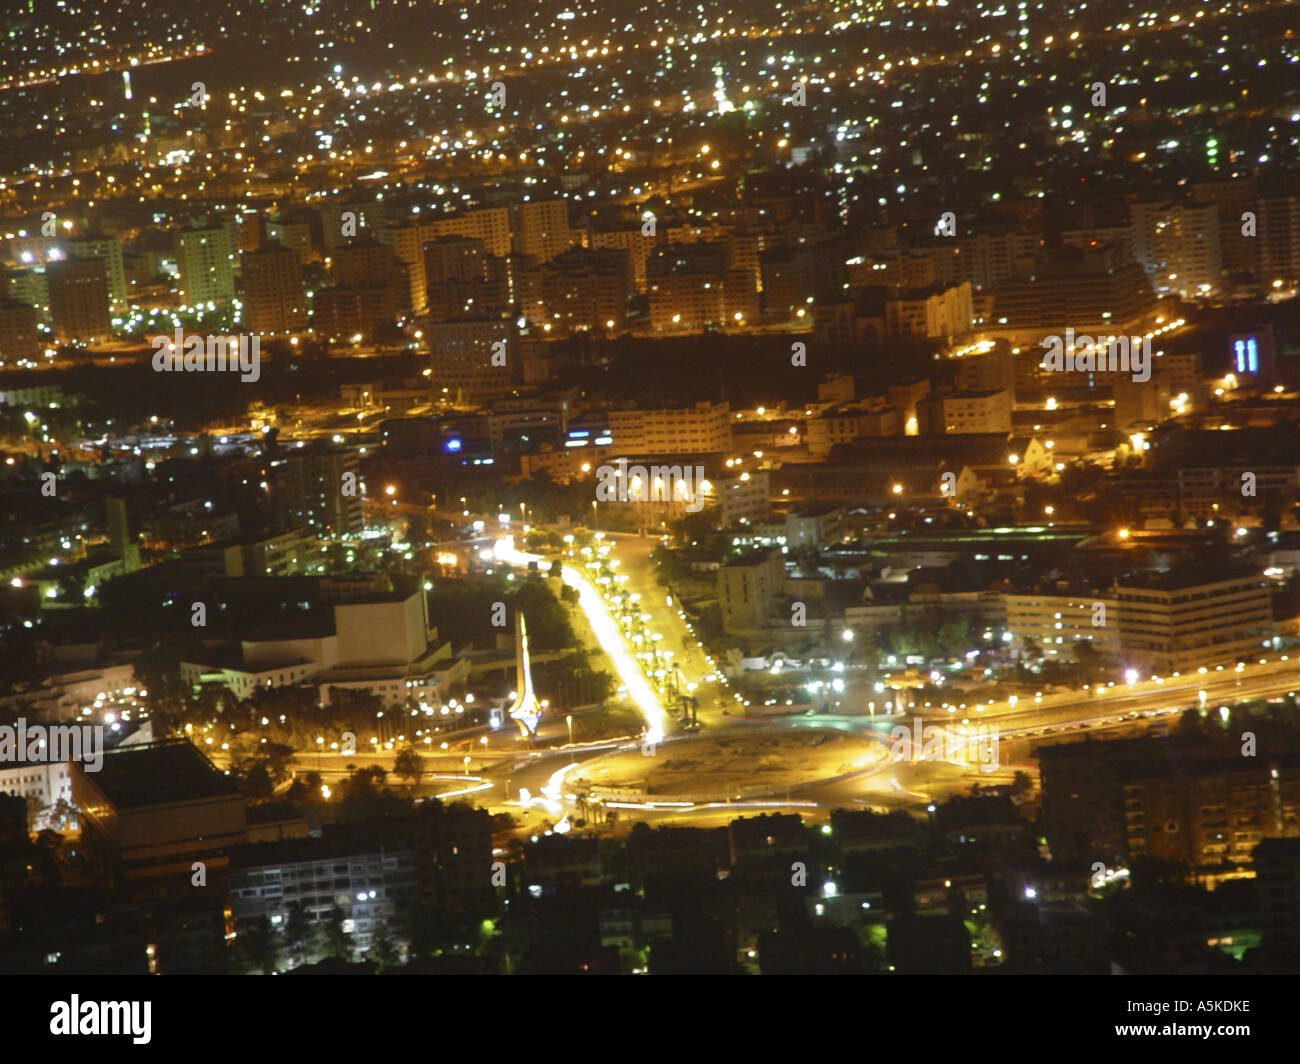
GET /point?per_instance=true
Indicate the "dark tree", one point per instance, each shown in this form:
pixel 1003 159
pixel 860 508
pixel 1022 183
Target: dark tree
pixel 409 765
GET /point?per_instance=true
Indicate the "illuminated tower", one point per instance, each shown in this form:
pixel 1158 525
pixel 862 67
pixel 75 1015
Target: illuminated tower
pixel 527 710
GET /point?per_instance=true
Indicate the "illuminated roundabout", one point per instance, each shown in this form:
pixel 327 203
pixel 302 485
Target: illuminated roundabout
pixel 727 768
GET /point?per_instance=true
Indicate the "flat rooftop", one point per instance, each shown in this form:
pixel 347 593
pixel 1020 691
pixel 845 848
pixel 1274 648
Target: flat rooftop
pixel 161 773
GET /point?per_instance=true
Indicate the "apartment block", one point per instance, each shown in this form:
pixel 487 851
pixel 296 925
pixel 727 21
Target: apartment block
pixel 1278 240
pixel 964 412
pixel 463 279
pixel 576 290
pixel 692 287
pixel 205 260
pixel 371 885
pixel 370 291
pixel 1277 878
pixel 843 424
pixel 297 230
pixel 107 249
pixel 748 589
pixel 19 339
pixel 704 428
pixel 492 225
pixel 1212 812
pixel 461 355
pixel 636 243
pixel 1178 246
pixel 1233 199
pixel 1055 622
pixel 1169 623
pixel 1095 292
pixel 744 500
pixel 307 491
pixel 540 229
pixel 79 300
pixel 932 314
pixel 273 291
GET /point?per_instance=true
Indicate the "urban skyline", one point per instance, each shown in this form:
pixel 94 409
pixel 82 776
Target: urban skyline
pixel 885 416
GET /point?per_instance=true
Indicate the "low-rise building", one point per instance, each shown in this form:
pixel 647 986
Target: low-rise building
pixel 1055 620
pixel 154 813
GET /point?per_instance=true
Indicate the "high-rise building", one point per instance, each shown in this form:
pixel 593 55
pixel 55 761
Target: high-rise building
pixel 935 313
pixel 465 360
pixel 299 231
pixel 407 243
pixel 350 313
pixel 988 259
pixel 407 238
pixel 993 370
pixel 79 300
pixel 463 279
pixel 1233 199
pixel 692 287
pixel 1277 878
pixel 540 229
pixel 1178 245
pixel 1083 790
pixel 109 250
pixel 370 292
pixel 273 292
pixel 1212 811
pixel 365 263
pixel 578 289
pixel 636 243
pixel 335 218
pixel 492 225
pixel 32 287
pixel 1278 241
pixel 310 490
pixel 19 339
pixel 206 264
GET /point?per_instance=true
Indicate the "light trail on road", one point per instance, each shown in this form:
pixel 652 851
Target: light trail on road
pixel 607 634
